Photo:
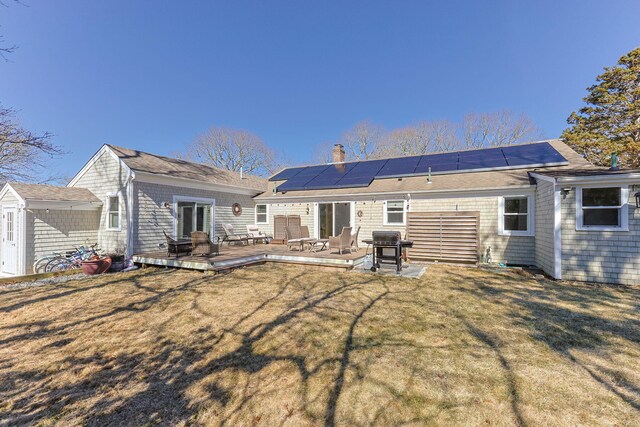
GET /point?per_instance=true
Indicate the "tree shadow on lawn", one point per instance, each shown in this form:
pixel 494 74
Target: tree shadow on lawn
pixel 133 387
pixel 566 318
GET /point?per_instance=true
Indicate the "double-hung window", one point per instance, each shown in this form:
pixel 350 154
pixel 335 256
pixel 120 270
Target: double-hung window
pixel 515 216
pixel 262 214
pixel 395 212
pixel 602 208
pixel 113 211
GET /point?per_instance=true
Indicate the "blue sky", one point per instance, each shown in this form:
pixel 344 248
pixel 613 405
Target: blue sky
pixel 152 75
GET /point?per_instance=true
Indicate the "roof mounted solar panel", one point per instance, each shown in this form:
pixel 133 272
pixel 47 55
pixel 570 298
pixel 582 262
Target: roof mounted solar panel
pixel 533 154
pixel 442 162
pixel 287 174
pixel 329 177
pixel 399 167
pixel 299 181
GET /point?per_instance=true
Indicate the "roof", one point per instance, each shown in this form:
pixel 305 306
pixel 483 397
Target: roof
pixel 459 181
pixel 586 172
pixel 160 165
pixel 43 192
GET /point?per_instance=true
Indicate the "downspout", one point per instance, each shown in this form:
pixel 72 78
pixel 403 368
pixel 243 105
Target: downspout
pixel 129 190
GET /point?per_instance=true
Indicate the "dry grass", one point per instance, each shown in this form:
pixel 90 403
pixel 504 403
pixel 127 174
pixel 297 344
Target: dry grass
pixel 284 346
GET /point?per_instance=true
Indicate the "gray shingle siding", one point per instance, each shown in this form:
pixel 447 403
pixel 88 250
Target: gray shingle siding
pixel 151 218
pixel 600 256
pixel 544 245
pixel 108 175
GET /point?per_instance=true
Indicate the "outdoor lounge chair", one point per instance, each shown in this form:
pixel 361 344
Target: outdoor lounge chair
pixel 341 242
pixel 202 245
pixel 354 238
pixel 297 236
pixel 254 233
pixel 177 247
pixel 231 236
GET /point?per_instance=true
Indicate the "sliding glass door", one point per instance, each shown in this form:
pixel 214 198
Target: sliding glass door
pixel 193 216
pixel 332 217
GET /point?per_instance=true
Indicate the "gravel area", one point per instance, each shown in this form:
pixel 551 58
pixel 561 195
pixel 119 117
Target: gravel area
pixel 46 281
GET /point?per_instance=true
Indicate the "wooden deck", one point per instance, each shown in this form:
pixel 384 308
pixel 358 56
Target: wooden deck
pixel 233 256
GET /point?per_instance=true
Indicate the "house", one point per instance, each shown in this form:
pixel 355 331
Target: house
pixel 537 204
pixel 122 199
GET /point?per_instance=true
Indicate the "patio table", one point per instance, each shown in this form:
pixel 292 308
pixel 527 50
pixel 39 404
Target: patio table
pixel 314 245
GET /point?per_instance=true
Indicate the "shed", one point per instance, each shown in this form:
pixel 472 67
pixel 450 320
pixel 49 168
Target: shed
pixel 40 219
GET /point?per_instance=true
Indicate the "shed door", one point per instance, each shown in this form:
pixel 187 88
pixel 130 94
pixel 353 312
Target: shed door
pixel 444 236
pixel 9 237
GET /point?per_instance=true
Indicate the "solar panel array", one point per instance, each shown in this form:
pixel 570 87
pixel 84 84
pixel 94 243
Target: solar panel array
pixel 361 174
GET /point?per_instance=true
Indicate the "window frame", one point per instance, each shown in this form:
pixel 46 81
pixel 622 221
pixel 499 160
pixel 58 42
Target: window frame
pixel 530 231
pixel 118 195
pixel 385 212
pixel 623 209
pixel 266 205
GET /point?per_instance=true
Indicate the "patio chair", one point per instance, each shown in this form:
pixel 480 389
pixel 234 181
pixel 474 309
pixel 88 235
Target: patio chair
pixel 176 247
pixel 293 236
pixel 254 233
pixel 341 242
pixel 202 245
pixel 304 235
pixel 354 238
pixel 231 236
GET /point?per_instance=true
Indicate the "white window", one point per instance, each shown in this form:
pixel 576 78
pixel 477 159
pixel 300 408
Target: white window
pixel 262 214
pixel 515 216
pixel 395 212
pixel 113 211
pixel 602 208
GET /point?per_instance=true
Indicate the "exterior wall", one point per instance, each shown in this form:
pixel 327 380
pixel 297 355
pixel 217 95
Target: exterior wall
pixel 600 256
pixel 507 249
pixel 108 175
pixel 544 241
pixel 58 231
pixel 150 218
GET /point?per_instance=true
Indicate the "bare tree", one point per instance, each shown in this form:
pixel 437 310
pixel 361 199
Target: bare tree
pixel 496 129
pixel 4 50
pixel 422 138
pixel 22 152
pixel 362 140
pixel 233 149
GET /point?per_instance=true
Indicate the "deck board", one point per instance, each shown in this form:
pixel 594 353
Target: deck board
pixel 233 256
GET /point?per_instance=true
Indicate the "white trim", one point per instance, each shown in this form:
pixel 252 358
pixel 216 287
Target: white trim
pixel 623 209
pixel 108 211
pixel 391 195
pixel 104 149
pixel 8 188
pixel 193 184
pixel 212 225
pixel 129 214
pixel 17 235
pixel 385 219
pixel 255 216
pixel 542 177
pixel 63 205
pixel 620 178
pixel 530 217
pixel 316 232
pixel 557 233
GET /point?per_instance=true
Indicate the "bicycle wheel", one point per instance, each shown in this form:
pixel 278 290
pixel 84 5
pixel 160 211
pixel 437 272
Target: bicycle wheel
pixel 41 263
pixel 60 265
pixel 49 267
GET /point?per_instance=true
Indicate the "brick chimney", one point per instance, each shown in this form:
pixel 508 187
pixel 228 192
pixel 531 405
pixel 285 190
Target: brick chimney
pixel 338 153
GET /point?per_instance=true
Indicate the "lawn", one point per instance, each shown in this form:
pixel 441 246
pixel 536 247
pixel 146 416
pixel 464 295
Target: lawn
pixel 273 345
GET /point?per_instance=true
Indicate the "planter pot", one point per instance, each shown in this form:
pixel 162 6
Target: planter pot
pixel 117 266
pixel 97 266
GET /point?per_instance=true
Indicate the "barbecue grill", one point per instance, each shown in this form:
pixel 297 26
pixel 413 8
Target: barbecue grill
pixel 387 248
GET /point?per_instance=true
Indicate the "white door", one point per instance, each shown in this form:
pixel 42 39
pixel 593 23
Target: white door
pixel 9 244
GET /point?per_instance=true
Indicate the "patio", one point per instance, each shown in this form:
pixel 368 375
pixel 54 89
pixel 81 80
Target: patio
pixel 233 256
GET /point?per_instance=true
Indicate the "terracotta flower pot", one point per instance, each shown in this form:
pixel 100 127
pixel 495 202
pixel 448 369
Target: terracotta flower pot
pixel 96 266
